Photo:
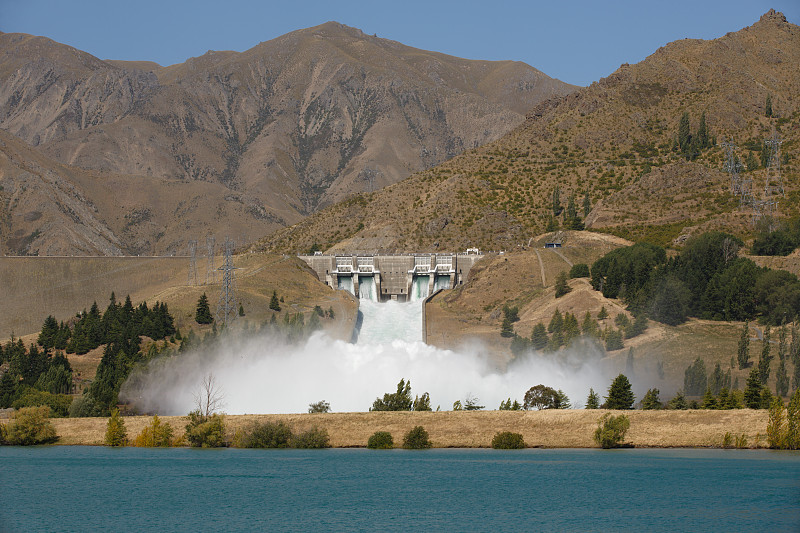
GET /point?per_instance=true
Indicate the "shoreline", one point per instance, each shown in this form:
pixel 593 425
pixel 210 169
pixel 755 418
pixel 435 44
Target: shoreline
pixel 573 428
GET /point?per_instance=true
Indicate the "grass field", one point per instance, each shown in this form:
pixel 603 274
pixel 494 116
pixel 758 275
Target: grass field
pixel 470 429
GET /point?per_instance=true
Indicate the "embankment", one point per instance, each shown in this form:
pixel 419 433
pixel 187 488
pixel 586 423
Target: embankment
pixel 468 429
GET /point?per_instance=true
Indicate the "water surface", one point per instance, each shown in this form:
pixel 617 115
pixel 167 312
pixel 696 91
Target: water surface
pixel 130 489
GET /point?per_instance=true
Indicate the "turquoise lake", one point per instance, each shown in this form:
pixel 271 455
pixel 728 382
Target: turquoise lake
pixel 65 488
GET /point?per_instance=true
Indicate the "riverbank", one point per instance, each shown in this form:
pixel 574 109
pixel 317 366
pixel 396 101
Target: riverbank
pixel 572 428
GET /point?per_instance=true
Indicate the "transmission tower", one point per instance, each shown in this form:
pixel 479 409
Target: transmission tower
pixel 226 308
pixel 211 274
pixel 741 187
pixel 192 280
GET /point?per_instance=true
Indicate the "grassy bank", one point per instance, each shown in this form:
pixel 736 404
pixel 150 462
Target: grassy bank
pixel 468 429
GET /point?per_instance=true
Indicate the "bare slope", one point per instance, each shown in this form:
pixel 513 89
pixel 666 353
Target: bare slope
pixel 613 140
pixel 288 126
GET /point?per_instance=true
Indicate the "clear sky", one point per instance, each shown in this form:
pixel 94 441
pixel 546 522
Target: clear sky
pixel 576 41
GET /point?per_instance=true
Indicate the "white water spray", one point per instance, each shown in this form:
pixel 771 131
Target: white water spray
pixel 263 374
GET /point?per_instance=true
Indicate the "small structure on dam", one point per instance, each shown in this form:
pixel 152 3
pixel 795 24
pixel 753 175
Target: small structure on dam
pixel 392 277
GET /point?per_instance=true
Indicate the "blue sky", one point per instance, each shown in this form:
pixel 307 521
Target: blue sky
pixel 577 42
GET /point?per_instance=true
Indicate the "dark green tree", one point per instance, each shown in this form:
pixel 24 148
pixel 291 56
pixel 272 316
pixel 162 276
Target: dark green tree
pixel 593 400
pixel 743 352
pixel 765 361
pixel 539 337
pixel 561 286
pixel 611 430
pixel 556 322
pixel 752 390
pixel 202 314
pixel 695 380
pixel 417 439
pixel 422 403
pixel 782 380
pixel 274 304
pixel 557 201
pixel 397 401
pixel 506 328
pixel 620 395
pixel 709 401
pixel 768 106
pixel 651 400
pixel 703 140
pixel 587 204
pixel 684 134
pixel 678 401
pixel 614 340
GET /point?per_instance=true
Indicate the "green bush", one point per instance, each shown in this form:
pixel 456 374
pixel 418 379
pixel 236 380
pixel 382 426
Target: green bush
pixel 416 439
pixel 380 440
pixel 313 438
pixel 84 406
pixel 206 431
pixel 611 430
pixel 266 435
pixel 31 425
pixel 58 403
pixel 507 440
pixel 579 270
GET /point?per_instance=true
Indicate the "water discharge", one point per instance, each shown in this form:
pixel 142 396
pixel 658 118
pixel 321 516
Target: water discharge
pixel 265 374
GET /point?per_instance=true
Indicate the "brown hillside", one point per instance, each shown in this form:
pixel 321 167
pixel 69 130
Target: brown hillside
pixel 292 124
pixel 613 140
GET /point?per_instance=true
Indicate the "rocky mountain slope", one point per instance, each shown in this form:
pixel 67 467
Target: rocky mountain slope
pixel 615 140
pixel 288 126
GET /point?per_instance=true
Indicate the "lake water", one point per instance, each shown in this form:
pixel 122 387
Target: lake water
pixel 132 489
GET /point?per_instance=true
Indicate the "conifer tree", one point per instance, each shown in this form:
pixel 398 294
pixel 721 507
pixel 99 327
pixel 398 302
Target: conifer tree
pixel 593 400
pixel 651 400
pixel 203 312
pixel 768 106
pixel 561 286
pixel 620 395
pixel 702 133
pixel 752 390
pixel 587 204
pixel 684 135
pixel 539 337
pixel 556 322
pixel 274 304
pixel 557 201
pixel 709 401
pixel 506 328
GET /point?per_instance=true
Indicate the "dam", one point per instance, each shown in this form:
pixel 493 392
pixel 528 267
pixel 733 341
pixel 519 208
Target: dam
pixel 393 277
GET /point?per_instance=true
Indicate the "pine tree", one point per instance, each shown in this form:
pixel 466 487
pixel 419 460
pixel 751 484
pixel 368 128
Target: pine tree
pixel 506 329
pixel 539 337
pixel 556 322
pixel 241 310
pixel 709 401
pixel 768 106
pixel 694 378
pixel 752 390
pixel 651 400
pixel 603 314
pixel 557 201
pixel 620 395
pixel 743 353
pixel 593 400
pixel 203 313
pixel 274 304
pixel 561 286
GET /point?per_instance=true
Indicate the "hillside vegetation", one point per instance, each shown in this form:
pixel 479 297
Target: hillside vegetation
pixel 620 141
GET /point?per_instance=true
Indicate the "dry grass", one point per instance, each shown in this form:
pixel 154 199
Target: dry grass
pixel 469 429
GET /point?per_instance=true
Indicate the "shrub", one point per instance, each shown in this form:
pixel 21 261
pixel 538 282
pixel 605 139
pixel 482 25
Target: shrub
pixel 416 439
pixel 156 435
pixel 507 440
pixel 115 430
pixel 84 406
pixel 313 438
pixel 579 270
pixel 266 435
pixel 206 431
pixel 380 440
pixel 31 426
pixel 58 403
pixel 611 430
pixel 319 407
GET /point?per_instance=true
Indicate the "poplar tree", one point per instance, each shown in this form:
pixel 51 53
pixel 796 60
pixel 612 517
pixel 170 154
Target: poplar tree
pixel 782 380
pixel 766 358
pixel 743 353
pixel 768 106
pixel 684 135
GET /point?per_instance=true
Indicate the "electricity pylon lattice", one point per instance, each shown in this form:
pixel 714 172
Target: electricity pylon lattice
pixel 211 274
pixel 192 278
pixel 774 184
pixel 226 308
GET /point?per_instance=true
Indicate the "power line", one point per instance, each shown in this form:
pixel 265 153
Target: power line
pixel 211 274
pixel 192 278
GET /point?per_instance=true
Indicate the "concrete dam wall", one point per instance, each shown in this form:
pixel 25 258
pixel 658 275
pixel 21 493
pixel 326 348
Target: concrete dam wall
pixel 393 276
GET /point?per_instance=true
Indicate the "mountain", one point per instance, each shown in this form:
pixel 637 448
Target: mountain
pixel 615 140
pixel 289 126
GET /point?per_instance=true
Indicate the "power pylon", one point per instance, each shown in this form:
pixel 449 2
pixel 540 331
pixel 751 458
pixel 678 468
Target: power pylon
pixel 211 274
pixel 192 278
pixel 226 308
